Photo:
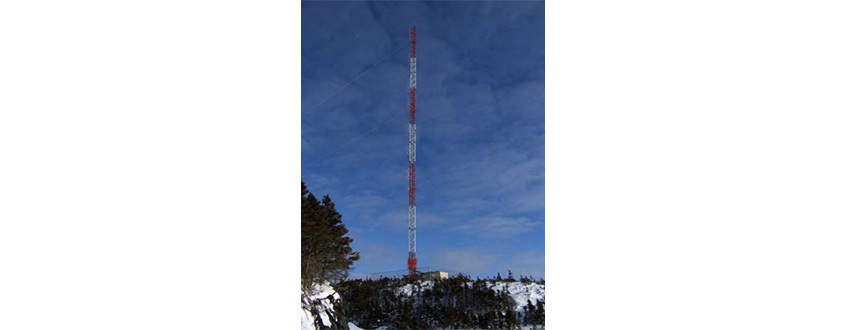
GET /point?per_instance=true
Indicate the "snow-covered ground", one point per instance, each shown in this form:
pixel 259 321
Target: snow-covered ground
pixel 408 289
pixel 520 292
pixel 324 307
pixel 318 299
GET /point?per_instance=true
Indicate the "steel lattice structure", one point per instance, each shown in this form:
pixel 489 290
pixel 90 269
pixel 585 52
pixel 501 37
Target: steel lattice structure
pixel 412 155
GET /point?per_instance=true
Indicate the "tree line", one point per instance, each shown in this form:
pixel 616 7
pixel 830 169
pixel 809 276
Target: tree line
pixel 454 303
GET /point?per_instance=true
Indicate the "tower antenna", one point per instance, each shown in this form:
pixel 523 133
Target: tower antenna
pixel 412 155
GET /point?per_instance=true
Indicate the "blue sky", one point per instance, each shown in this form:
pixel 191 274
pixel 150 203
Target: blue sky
pixel 480 154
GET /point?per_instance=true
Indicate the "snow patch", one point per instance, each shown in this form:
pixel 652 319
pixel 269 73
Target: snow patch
pixel 408 289
pixel 319 301
pixel 521 293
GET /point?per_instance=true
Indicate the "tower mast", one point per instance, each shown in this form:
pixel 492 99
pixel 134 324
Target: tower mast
pixel 412 154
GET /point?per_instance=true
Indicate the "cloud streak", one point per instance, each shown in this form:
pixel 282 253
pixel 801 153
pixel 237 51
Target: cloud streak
pixel 499 227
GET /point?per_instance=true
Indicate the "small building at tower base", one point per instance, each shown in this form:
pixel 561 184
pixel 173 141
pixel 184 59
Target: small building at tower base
pixel 434 275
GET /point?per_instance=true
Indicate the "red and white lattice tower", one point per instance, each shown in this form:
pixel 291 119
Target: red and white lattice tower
pixel 412 154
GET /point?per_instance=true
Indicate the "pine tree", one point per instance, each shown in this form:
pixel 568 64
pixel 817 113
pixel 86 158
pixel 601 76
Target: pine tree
pixel 529 312
pixel 309 225
pixel 539 314
pixel 340 255
pixel 326 254
pixel 511 319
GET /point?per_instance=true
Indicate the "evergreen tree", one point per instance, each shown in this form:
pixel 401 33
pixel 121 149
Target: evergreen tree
pixel 326 254
pixel 309 225
pixel 529 312
pixel 539 314
pixel 511 319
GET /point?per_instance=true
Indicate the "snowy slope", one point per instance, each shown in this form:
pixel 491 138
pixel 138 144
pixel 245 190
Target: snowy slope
pixel 521 293
pixel 320 300
pixel 318 307
pixel 408 289
pixel 316 301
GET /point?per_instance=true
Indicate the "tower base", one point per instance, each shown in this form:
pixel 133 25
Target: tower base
pixel 412 265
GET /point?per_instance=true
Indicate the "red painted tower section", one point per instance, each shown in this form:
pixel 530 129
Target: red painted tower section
pixel 412 155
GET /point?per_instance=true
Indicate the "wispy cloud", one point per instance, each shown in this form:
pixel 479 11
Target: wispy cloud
pixel 394 218
pixel 527 263
pixel 468 261
pixel 500 227
pixel 397 218
pixel 480 262
pixel 378 258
